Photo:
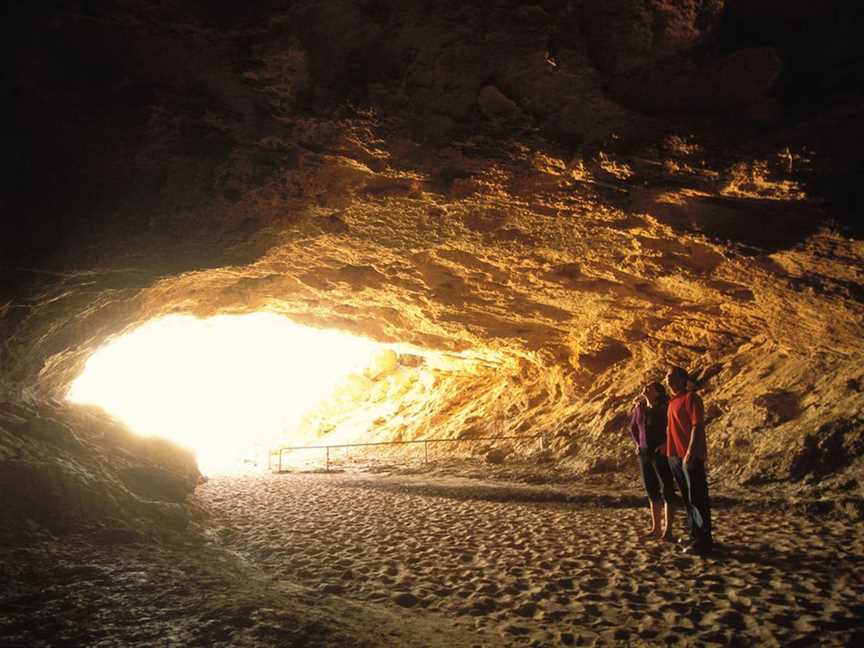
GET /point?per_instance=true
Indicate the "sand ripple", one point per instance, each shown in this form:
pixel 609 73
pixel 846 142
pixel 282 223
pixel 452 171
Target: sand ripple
pixel 540 574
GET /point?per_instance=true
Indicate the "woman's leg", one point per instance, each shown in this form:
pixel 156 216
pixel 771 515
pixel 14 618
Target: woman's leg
pixel 656 508
pixel 668 516
pixel 667 491
pixel 652 488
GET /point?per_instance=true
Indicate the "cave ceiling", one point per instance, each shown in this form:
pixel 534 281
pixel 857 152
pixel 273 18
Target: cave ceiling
pixel 576 192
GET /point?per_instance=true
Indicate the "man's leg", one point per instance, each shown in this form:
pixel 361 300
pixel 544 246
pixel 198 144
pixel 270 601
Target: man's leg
pixel 677 468
pixel 700 505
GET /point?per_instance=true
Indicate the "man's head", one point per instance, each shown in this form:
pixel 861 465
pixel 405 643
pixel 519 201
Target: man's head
pixel 676 378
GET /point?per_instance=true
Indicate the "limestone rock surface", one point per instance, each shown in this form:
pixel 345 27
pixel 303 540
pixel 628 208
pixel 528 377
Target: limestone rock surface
pixel 563 197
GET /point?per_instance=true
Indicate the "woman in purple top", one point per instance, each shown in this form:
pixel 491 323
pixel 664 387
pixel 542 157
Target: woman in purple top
pixel 648 429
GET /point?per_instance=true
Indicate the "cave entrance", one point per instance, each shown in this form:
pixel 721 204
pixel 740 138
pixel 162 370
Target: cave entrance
pixel 225 387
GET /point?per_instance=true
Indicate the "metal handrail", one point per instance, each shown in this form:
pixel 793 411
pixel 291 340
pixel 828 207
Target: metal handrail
pixel 282 449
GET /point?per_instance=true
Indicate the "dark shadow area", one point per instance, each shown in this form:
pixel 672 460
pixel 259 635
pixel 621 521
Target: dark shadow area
pixel 571 495
pixel 768 556
pixel 820 88
pixel 755 225
pixel 499 492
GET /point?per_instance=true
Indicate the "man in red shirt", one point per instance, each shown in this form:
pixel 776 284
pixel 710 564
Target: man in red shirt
pixel 687 451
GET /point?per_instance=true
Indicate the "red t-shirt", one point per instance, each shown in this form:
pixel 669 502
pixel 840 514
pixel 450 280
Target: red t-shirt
pixel 686 414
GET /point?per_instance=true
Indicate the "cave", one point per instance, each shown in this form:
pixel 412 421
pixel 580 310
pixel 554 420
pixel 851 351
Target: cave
pixel 480 229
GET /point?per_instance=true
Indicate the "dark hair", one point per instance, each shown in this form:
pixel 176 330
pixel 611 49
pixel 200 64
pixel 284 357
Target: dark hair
pixel 677 379
pixel 660 389
pixel 680 373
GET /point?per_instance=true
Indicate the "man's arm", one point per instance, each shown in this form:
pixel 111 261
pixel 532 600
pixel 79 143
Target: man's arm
pixel 697 423
pixel 668 435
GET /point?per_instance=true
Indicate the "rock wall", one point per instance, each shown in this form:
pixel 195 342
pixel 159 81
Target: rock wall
pixel 66 469
pixel 579 193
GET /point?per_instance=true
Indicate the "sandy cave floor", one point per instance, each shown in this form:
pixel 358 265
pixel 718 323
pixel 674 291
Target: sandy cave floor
pixel 436 560
pixel 535 573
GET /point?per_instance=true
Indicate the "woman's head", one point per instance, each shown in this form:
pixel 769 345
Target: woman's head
pixel 654 392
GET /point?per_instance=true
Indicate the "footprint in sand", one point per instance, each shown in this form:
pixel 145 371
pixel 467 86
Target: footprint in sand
pixel 561 571
pixel 594 584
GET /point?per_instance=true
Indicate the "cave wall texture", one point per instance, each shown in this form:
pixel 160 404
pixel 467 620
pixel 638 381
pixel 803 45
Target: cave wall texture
pixel 576 193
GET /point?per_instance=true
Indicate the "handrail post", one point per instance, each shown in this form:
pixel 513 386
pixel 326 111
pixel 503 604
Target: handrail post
pixel 327 465
pixel 280 461
pixel 426 452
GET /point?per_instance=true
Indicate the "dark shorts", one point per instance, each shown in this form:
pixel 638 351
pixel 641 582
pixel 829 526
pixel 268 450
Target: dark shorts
pixel 656 475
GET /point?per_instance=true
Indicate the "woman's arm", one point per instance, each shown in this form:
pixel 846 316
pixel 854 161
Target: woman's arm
pixel 634 425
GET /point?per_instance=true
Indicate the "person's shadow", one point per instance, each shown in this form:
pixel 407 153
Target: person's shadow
pixel 822 570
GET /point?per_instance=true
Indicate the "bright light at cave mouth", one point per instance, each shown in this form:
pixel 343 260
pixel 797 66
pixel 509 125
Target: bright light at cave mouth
pixel 224 387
